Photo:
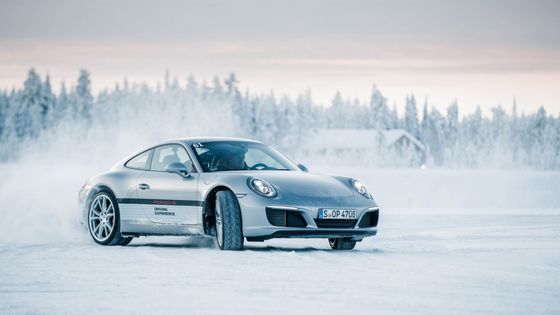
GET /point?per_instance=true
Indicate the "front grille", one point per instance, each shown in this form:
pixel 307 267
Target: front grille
pixel 335 223
pixel 285 218
pixel 369 219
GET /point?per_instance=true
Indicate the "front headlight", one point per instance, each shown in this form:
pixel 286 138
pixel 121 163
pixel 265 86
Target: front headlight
pixel 261 187
pixel 360 188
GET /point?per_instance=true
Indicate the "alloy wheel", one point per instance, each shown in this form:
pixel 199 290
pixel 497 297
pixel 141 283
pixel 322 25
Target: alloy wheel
pixel 101 218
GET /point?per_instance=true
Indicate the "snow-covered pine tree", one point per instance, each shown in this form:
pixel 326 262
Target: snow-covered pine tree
pixel 217 87
pixel 231 83
pixel 47 103
pixel 472 139
pixel 452 149
pixel 519 125
pixel 379 110
pixel 28 118
pixel 436 136
pixel 393 121
pixel 556 143
pixel 337 113
pixel 424 126
pixel 304 110
pixel 411 117
pixel 287 125
pixel 83 97
pixel 265 114
pixel 4 103
pixel 62 103
pixel 240 107
pixel 13 99
pixel 550 144
pixel 535 142
pixel 452 123
pixel 499 145
pixel 360 117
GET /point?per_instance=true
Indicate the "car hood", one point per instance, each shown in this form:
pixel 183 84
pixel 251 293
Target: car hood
pixel 301 184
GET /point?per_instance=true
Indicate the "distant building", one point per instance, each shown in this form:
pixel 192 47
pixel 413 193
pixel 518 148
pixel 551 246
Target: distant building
pixel 394 147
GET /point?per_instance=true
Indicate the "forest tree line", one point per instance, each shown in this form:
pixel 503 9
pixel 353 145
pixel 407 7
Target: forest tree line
pixel 505 138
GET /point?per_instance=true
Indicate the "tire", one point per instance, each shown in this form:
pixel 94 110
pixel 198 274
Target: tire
pixel 342 243
pixel 104 222
pixel 125 241
pixel 229 232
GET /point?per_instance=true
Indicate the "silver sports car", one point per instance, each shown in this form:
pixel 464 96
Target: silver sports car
pixel 230 189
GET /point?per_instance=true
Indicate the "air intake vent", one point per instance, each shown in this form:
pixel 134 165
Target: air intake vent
pixel 285 218
pixel 276 217
pixel 369 219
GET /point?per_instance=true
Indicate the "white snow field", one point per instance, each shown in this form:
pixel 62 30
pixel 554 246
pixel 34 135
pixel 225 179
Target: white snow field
pixel 450 242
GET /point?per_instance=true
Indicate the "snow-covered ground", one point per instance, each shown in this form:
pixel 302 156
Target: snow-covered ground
pixel 449 242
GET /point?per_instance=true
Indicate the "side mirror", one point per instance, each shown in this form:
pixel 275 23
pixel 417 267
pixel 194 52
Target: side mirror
pixel 303 168
pixel 178 168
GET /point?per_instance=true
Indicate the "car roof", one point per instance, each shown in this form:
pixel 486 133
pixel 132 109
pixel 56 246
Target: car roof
pixel 185 141
pixel 191 140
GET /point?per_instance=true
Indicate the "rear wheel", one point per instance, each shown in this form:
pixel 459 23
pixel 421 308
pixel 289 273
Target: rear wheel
pixel 104 220
pixel 229 233
pixel 342 243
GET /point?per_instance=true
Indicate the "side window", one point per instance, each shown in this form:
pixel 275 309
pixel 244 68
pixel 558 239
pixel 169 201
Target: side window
pixel 140 162
pixel 184 158
pixel 168 154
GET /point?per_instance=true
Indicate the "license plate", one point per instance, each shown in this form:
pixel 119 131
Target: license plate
pixel 337 214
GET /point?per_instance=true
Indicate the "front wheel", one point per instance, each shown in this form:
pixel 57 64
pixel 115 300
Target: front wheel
pixel 229 232
pixel 342 243
pixel 104 220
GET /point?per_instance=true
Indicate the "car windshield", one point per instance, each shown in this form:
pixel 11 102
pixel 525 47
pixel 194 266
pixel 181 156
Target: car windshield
pixel 218 156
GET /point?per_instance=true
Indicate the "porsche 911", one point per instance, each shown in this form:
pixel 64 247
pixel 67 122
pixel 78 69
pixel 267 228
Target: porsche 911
pixel 233 190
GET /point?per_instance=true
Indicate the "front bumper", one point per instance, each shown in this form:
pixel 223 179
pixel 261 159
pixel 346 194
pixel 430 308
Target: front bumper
pixel 264 219
pixel 356 234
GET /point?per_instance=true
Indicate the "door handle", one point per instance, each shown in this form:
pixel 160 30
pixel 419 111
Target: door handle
pixel 143 186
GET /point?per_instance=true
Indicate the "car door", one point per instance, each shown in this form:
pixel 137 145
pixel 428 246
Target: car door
pixel 169 198
pixel 131 213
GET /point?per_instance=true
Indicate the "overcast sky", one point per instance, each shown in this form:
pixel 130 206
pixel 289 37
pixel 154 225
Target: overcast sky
pixel 480 52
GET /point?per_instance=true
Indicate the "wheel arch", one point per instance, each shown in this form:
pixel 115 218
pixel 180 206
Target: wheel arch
pixel 92 192
pixel 209 207
pixel 97 188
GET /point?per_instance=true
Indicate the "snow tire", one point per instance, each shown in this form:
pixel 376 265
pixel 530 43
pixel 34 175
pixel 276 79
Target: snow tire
pixel 342 243
pixel 229 233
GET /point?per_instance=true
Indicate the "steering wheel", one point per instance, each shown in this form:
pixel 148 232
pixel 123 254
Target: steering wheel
pixel 256 166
